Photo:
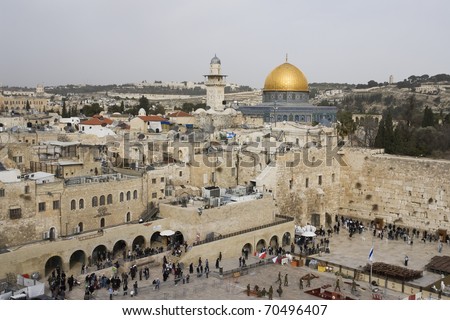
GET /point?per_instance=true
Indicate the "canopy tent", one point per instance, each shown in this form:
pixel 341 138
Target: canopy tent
pixel 167 233
pixel 306 231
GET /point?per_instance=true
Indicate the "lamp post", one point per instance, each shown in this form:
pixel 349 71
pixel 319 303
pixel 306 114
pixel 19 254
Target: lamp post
pixel 275 108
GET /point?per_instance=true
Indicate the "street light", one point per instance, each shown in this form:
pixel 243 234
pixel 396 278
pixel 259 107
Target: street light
pixel 275 108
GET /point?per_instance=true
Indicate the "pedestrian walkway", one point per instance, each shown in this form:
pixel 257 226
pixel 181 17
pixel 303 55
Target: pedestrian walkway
pixel 352 252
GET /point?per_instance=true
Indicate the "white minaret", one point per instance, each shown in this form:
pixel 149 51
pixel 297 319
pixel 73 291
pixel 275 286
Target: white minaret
pixel 215 86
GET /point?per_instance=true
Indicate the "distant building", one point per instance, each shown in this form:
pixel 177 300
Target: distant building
pixel 391 79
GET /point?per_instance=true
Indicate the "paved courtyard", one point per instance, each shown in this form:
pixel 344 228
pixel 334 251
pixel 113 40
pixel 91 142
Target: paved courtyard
pixel 352 252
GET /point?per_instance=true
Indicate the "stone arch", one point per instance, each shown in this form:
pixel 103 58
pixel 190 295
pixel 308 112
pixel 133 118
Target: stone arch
pixel 247 248
pixel 296 118
pixel 260 245
pixel 81 204
pixel 128 217
pixel 80 227
pixel 52 233
pixel 285 117
pixel 118 249
pixel 76 261
pixel 138 243
pixel 52 263
pixel 156 240
pixel 178 238
pixel 287 239
pixel 274 243
pixel 102 222
pixel 99 252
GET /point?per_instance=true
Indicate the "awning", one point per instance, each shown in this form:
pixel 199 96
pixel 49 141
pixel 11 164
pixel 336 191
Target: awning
pixel 167 233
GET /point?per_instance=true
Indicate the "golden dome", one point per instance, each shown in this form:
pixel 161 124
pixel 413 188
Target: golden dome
pixel 286 77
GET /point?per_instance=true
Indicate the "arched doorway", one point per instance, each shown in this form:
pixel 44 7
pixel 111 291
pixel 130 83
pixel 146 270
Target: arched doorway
pixel 119 248
pixel 98 254
pixel 52 233
pixel 77 260
pixel 274 242
pixel 246 250
pixel 53 263
pixel 260 245
pixel 286 239
pixel 156 240
pixel 178 238
pixel 138 243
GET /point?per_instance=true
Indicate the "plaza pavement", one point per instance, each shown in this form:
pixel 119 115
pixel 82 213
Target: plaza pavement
pixel 352 252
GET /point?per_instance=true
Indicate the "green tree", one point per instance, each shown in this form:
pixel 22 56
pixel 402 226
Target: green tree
pixel 346 125
pixel 64 113
pixel 428 118
pixel 144 104
pixel 379 139
pixel 389 133
pixel 91 110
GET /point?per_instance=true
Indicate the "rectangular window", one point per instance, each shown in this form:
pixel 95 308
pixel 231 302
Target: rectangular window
pixel 2 192
pixel 291 183
pixel 56 205
pixel 332 177
pixel 15 213
pixel 153 180
pixel 41 206
pixel 27 189
pixel 320 180
pixel 181 173
pixel 154 195
pixel 306 182
pixel 233 172
pixel 162 179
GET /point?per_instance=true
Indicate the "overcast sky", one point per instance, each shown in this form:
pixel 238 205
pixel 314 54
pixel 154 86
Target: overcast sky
pixel 120 41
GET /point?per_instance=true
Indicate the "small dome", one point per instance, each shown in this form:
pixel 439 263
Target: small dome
pixel 199 110
pixel 215 60
pixel 286 77
pixel 229 111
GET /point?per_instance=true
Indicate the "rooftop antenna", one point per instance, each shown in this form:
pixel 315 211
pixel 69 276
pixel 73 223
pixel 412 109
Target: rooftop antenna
pixel 286 57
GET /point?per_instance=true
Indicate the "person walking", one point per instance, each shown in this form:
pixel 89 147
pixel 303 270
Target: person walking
pixel 406 261
pixel 270 292
pixel 301 284
pixel 279 278
pixel 135 288
pixel 286 280
pixel 337 286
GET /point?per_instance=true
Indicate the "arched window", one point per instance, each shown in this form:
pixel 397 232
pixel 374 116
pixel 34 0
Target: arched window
pixel 135 194
pixel 102 200
pixel 128 216
pixel 121 197
pixel 94 201
pixel 102 222
pixel 81 204
pixel 109 199
pixel 128 195
pixel 80 227
pixel 73 205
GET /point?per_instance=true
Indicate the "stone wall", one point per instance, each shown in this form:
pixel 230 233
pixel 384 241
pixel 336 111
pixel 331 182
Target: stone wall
pixel 406 191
